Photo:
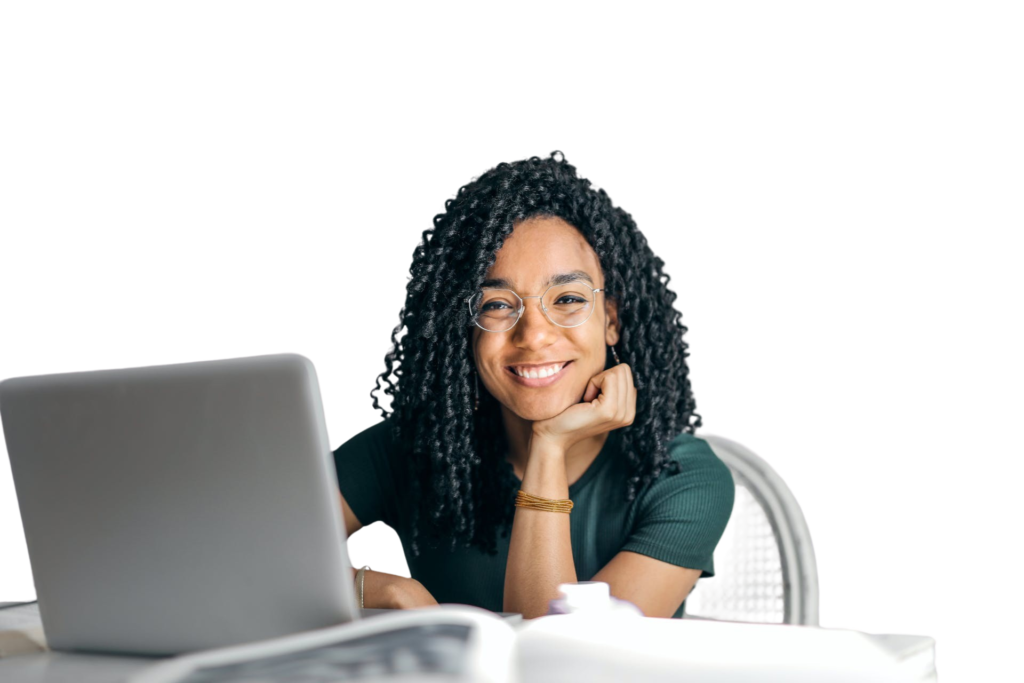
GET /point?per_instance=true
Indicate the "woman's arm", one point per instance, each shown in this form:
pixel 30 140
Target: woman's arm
pixel 392 591
pixel 540 552
pixel 410 594
pixel 389 591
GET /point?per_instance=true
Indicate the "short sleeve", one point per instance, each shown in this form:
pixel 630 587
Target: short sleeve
pixel 365 470
pixel 681 517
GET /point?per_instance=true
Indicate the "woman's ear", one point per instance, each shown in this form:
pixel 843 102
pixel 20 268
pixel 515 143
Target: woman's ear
pixel 611 329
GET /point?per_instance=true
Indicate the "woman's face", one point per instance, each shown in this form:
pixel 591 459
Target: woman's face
pixel 538 250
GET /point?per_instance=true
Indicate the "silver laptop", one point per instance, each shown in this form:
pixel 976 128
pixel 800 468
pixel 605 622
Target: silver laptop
pixel 180 507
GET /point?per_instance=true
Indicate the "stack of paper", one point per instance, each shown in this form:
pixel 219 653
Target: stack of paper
pixel 592 649
pixel 916 653
pixel 20 629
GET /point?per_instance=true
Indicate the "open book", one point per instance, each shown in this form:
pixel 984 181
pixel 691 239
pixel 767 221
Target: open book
pixel 454 642
pixel 450 642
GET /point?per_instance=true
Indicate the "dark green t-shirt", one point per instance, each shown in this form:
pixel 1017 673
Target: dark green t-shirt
pixel 677 519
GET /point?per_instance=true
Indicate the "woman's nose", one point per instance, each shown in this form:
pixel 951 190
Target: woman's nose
pixel 532 314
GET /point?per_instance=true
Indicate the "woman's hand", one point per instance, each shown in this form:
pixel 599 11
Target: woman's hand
pixel 609 402
pixel 381 589
pixel 410 593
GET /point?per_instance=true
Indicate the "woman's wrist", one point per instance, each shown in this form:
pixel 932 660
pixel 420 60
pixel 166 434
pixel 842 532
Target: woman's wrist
pixel 378 591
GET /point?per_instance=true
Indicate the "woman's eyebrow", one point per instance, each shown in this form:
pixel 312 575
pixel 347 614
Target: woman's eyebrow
pixel 559 279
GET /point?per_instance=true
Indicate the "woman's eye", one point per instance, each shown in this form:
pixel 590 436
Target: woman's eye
pixel 570 299
pixel 492 306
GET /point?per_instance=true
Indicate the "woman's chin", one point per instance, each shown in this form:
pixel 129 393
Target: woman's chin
pixel 541 410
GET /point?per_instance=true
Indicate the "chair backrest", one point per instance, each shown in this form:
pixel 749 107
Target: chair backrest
pixel 764 564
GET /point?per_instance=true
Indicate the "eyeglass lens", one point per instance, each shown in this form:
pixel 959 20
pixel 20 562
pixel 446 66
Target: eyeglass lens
pixel 567 305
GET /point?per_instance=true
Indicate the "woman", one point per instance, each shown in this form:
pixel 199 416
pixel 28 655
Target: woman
pixel 541 354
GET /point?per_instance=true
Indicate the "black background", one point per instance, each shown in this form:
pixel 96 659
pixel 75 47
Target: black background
pixel 798 318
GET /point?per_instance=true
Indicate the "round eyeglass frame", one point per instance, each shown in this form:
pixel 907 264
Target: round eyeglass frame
pixel 522 307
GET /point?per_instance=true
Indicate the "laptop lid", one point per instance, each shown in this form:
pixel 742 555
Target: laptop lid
pixel 179 507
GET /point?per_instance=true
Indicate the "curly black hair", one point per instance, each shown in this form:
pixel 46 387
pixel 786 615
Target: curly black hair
pixel 458 454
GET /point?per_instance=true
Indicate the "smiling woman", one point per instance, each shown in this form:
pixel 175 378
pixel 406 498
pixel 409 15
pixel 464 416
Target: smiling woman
pixel 555 334
pixel 542 421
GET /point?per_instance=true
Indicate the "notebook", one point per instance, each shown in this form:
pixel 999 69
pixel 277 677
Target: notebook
pixel 180 507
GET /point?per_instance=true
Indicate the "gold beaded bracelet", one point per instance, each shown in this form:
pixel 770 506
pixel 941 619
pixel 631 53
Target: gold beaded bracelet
pixel 526 500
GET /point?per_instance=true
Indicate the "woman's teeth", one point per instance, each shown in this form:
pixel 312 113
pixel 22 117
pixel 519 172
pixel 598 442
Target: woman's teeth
pixel 538 372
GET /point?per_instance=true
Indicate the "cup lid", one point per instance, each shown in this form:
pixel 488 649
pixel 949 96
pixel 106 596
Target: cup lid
pixel 585 594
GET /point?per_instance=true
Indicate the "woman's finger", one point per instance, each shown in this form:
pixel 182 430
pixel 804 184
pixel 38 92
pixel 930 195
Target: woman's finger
pixel 629 396
pixel 612 388
pixel 632 406
pixel 593 388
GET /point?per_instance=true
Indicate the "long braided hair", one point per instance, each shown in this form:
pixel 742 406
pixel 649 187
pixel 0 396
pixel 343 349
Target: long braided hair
pixel 462 485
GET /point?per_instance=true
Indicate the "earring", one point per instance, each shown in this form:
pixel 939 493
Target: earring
pixel 476 391
pixel 615 355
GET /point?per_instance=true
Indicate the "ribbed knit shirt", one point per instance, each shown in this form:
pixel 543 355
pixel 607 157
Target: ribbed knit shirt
pixel 678 518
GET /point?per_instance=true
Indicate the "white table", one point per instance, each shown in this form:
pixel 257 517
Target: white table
pixel 567 649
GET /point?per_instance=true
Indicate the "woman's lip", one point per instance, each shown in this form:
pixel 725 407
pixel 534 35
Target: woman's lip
pixel 538 381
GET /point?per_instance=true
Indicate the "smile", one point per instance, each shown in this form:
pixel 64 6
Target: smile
pixel 541 381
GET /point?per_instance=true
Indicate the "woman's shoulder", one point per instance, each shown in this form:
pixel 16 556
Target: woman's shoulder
pixel 690 450
pixel 377 439
pixel 701 477
pixel 700 471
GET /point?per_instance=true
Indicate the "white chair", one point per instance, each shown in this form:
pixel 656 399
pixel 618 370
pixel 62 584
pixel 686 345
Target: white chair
pixel 764 563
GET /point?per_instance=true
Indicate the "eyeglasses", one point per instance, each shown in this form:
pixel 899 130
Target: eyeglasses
pixel 566 305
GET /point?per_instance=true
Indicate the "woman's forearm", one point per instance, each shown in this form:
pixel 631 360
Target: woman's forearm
pixel 540 551
pixel 411 594
pixel 380 589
